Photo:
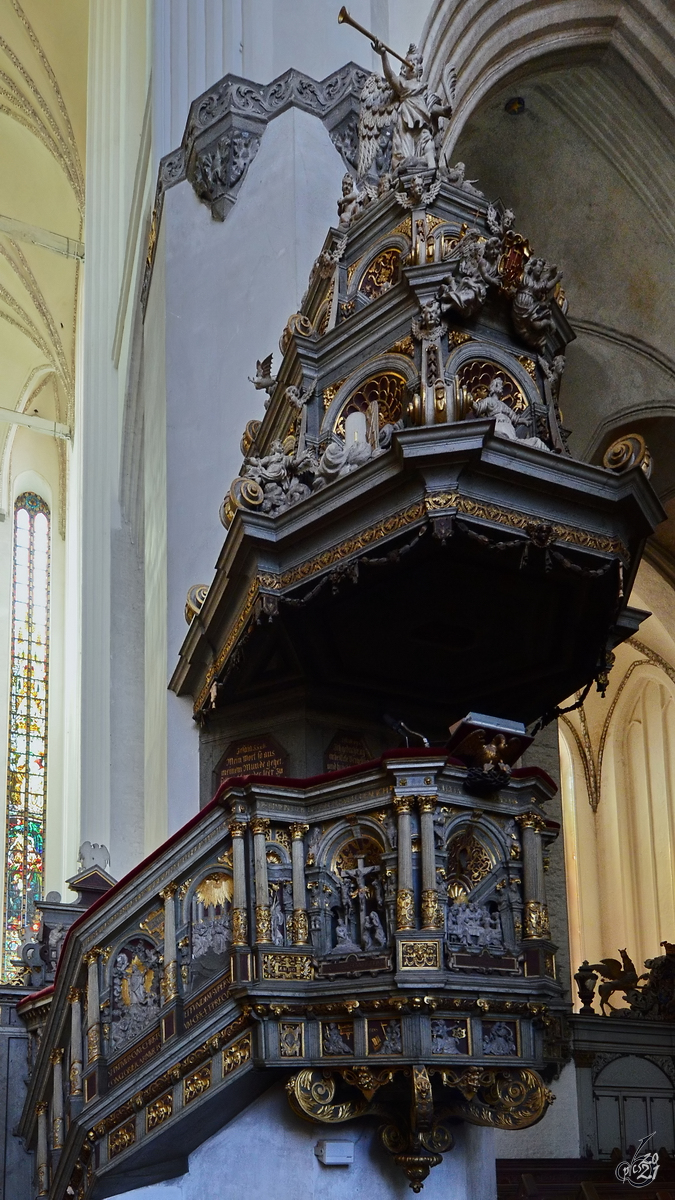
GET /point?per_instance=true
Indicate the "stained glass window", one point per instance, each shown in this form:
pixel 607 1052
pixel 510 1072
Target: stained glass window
pixel 27 757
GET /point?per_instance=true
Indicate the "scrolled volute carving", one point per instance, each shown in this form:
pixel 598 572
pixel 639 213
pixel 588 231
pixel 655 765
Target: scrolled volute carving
pixel 628 451
pixel 311 1093
pixel 504 1099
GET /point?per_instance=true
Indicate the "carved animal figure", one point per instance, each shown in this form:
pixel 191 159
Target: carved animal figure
pixel 263 379
pixel 617 977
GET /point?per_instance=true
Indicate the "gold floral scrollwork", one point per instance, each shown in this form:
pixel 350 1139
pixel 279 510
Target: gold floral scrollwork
pixel 405 909
pixel 263 923
pixel 381 274
pixel 239 927
pixel 93 1043
pixel 236 1055
pixel 120 1139
pixel 300 927
pixel 287 966
pixel 311 1094
pixel 159 1111
pixel 504 1099
pixel 419 956
pixel 431 911
pixel 170 981
pixel 403 804
pixel 536 920
pixel 196 1084
pixel 366 1080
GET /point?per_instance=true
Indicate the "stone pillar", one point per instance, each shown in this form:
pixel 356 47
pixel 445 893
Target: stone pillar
pixel 170 977
pixel 75 998
pixel 263 924
pixel 300 922
pixel 93 1007
pixel 535 916
pixel 42 1163
pixel 405 899
pixel 56 1059
pixel 239 907
pixel 430 909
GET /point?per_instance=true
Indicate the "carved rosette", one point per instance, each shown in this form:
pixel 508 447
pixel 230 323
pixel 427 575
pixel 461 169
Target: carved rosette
pixel 405 909
pixel 239 927
pixel 536 920
pixel 432 917
pixel 300 927
pixel 263 923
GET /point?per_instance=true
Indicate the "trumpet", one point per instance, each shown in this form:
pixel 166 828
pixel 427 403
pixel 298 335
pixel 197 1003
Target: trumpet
pixel 345 19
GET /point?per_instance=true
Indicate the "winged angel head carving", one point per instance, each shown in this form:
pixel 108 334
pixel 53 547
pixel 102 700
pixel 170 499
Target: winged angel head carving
pixel 403 107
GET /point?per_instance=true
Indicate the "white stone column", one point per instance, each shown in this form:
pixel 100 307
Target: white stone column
pixel 58 1130
pixel 170 977
pixel 93 1007
pixel 239 898
pixel 75 1076
pixel 430 912
pixel 405 899
pixel 42 1158
pixel 300 922
pixel 260 828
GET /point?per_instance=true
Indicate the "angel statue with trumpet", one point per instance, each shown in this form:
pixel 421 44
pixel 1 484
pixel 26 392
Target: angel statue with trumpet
pixel 404 103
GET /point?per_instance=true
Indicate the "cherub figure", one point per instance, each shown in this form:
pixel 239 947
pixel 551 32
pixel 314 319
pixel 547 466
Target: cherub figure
pixel 349 204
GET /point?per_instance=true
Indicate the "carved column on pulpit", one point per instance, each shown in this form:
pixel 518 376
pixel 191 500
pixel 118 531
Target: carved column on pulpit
pixel 300 922
pixel 405 898
pixel 260 827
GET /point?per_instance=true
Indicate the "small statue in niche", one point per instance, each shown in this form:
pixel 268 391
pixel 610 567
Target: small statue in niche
pixel 313 843
pixel 505 419
pixel 391 829
pixel 277 917
pixel 56 937
pixel 464 289
pixel 499 1039
pixel 343 940
pixel 375 937
pixel 532 312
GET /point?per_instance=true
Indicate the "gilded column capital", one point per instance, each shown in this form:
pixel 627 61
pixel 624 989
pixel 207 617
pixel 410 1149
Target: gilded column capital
pixel 41 1109
pixel 260 825
pixel 237 828
pixel 168 891
pixel 403 804
pixel 298 831
pixel 531 820
pixel 74 995
pixel 91 956
pixel 56 1056
pixel 427 803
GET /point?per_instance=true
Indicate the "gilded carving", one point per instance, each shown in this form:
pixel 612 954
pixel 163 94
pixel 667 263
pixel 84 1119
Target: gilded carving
pixel 300 927
pixel 93 1043
pixel 236 1055
pixel 263 923
pixel 536 920
pixel 196 1084
pixel 417 956
pixel 120 1139
pixel 311 1094
pixel 405 909
pixel 511 1098
pixel 158 1111
pixel 239 927
pixel 292 1039
pixel 432 917
pixel 261 826
pixel 287 966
